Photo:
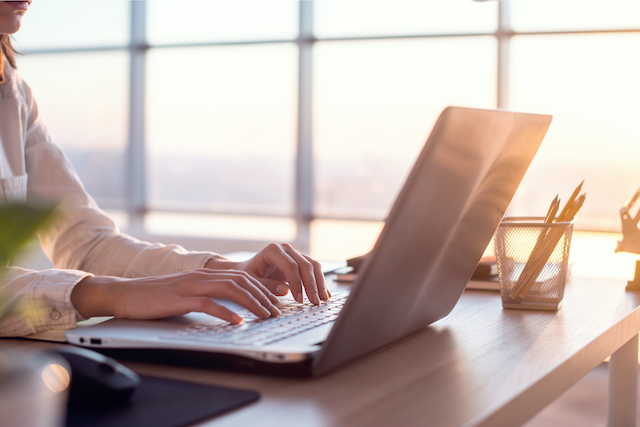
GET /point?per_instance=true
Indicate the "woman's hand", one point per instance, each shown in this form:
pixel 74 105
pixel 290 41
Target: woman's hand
pixel 173 295
pixel 281 268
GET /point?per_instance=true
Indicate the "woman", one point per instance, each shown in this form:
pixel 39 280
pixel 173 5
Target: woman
pixel 100 271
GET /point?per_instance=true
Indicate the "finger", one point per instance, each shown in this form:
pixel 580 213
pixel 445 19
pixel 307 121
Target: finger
pixel 276 287
pixel 208 306
pixel 320 282
pixel 260 283
pixel 256 281
pixel 306 272
pixel 238 294
pixel 246 282
pixel 258 290
pixel 275 255
pixel 226 284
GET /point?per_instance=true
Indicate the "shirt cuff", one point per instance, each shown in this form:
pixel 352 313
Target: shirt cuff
pixel 51 299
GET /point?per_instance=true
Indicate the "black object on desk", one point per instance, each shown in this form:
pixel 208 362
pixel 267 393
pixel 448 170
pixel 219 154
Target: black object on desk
pixel 162 402
pixel 97 379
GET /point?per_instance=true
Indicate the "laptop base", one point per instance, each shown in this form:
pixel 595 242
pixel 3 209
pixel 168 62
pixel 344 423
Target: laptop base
pixel 201 359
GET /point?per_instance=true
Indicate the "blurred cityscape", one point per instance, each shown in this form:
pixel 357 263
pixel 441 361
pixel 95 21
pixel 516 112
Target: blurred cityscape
pixel 361 188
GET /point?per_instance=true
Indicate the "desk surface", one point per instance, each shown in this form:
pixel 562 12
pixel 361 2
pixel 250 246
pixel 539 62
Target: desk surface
pixel 481 365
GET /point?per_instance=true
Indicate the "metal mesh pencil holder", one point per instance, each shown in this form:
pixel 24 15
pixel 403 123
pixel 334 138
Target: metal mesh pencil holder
pixel 533 262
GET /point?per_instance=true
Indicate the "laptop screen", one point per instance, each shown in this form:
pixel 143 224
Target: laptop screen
pixel 438 228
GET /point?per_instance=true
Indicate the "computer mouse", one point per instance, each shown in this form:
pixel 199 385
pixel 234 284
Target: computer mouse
pixel 97 379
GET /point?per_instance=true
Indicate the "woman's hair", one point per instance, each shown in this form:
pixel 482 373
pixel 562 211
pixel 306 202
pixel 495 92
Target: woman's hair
pixel 7 51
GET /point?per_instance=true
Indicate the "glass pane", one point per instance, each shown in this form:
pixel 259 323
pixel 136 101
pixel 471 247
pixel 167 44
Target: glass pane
pixel 73 23
pixel 221 226
pixel 83 100
pixel 590 84
pixel 222 127
pixel 550 15
pixel 592 255
pixel 375 104
pixel 344 18
pixel 221 20
pixel 333 240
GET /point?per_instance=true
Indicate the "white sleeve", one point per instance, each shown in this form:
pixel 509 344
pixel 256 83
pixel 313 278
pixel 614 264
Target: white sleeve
pixel 82 241
pixel 42 299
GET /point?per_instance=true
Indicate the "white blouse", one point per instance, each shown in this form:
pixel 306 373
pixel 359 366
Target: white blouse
pixel 82 240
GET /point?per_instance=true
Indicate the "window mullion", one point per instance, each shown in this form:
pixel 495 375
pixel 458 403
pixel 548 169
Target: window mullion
pixel 136 156
pixel 304 153
pixel 504 38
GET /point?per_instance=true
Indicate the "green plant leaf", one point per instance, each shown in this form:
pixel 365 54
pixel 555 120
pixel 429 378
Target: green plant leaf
pixel 18 223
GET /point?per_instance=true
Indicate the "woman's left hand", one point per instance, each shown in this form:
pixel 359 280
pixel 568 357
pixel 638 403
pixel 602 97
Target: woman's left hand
pixel 281 268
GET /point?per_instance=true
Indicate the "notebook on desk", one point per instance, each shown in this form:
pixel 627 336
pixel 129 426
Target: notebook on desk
pixel 435 234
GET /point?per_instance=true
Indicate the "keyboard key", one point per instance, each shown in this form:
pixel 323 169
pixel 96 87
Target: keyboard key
pixel 295 318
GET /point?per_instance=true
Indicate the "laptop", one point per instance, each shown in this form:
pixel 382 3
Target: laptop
pixel 436 232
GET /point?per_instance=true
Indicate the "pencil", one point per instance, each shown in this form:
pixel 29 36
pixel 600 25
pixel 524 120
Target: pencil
pixel 526 271
pixel 538 260
pixel 570 201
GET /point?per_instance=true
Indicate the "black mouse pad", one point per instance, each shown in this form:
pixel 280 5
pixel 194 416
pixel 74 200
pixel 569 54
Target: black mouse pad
pixel 161 402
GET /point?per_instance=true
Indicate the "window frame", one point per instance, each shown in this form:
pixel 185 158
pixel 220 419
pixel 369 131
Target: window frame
pixel 136 203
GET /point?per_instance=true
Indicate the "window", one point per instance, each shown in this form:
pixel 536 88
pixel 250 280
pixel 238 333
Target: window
pixel 587 82
pixel 374 104
pixel 299 120
pixel 81 85
pixel 221 137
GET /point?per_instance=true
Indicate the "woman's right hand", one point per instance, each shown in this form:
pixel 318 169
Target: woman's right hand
pixel 173 295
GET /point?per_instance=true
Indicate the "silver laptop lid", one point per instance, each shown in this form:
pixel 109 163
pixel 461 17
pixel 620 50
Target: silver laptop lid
pixel 437 230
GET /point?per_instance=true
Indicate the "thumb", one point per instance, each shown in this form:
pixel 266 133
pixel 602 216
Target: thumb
pixel 276 287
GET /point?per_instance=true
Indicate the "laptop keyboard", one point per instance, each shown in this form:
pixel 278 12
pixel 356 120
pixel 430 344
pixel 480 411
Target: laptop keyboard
pixel 295 319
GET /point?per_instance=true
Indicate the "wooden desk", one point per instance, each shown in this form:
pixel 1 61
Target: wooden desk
pixel 480 366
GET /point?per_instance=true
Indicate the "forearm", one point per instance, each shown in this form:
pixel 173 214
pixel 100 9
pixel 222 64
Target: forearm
pixel 96 296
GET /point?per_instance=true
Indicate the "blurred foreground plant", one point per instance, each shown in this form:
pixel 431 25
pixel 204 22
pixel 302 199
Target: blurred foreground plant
pixel 18 224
